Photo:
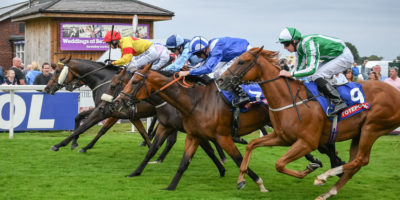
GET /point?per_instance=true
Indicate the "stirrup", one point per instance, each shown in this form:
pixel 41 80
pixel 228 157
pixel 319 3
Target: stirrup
pixel 241 101
pixel 338 109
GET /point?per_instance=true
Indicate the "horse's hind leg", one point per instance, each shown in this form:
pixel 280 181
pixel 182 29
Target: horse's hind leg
pixel 220 152
pixel 138 124
pixel 109 123
pixel 78 120
pixel 161 134
pixel 210 152
pixel 227 144
pixel 191 144
pixel 171 140
pixel 360 159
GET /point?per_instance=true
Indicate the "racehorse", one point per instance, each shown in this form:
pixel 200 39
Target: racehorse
pixel 205 115
pixel 170 123
pixel 98 77
pixel 314 128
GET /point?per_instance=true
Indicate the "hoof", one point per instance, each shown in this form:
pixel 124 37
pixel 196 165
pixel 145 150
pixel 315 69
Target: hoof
pixel 82 150
pixel 133 175
pixel 154 162
pixel 73 146
pixel 143 144
pixel 169 188
pixel 319 198
pixel 313 166
pixel 318 181
pixel 241 185
pixel 54 148
pixel 222 173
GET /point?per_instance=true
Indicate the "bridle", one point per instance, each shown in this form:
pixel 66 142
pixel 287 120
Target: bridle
pixel 140 83
pixel 75 83
pixel 236 79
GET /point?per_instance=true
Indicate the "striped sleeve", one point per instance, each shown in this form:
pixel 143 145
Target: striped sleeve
pixel 311 58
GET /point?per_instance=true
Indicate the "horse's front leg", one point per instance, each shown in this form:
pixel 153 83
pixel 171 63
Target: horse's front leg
pixel 109 123
pixel 268 140
pixel 171 140
pixel 210 152
pixel 78 120
pixel 139 125
pixel 191 144
pixel 91 121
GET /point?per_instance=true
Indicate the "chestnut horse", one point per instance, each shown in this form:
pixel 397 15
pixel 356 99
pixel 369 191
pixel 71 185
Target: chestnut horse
pixel 313 129
pixel 98 77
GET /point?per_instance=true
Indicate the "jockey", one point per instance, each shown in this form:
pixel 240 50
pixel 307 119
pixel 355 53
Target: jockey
pixel 310 50
pixel 219 53
pixel 137 52
pixel 180 47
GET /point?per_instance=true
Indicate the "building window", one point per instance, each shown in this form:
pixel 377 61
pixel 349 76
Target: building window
pixel 21 28
pixel 20 50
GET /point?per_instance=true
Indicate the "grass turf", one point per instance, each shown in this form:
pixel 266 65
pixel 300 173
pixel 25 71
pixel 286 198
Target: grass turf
pixel 29 170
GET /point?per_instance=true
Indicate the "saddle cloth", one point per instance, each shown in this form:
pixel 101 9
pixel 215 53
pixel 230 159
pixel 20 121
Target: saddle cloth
pixel 253 91
pixel 351 92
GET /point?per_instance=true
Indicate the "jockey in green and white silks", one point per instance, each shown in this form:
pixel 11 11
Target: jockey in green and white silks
pixel 311 50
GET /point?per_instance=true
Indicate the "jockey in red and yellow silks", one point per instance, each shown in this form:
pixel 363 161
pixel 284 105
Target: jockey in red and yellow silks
pixel 137 52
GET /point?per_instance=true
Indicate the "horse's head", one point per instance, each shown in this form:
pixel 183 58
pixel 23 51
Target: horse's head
pixel 117 84
pixel 60 77
pixel 246 68
pixel 136 89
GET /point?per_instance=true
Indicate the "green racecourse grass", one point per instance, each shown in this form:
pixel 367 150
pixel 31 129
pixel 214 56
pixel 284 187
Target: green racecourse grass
pixel 29 170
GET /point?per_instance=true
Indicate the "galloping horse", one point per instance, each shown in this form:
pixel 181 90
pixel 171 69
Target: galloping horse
pixel 205 115
pixel 98 78
pixel 170 122
pixel 314 128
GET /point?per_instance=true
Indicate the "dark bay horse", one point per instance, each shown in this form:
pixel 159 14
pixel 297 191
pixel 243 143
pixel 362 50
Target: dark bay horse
pixel 205 116
pixel 314 128
pixel 98 78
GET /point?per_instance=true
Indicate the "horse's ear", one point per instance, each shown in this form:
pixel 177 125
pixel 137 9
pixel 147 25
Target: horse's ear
pixel 147 67
pixel 70 56
pixel 122 72
pixel 260 49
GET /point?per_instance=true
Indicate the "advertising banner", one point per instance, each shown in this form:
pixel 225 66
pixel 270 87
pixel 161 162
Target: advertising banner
pixel 38 111
pixel 76 36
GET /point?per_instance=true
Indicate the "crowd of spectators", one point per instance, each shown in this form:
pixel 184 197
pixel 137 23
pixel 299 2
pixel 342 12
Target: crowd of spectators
pixel 32 74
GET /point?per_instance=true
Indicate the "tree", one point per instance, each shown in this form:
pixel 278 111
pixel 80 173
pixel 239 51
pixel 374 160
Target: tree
pixel 354 51
pixel 398 58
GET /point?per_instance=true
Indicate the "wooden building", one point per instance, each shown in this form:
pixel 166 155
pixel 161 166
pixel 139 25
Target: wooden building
pixel 56 29
pixel 12 34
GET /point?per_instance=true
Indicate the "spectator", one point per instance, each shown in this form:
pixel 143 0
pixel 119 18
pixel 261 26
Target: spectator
pixel 349 73
pixel 17 67
pixel 377 69
pixel 31 75
pixel 393 80
pixel 45 76
pixel 1 75
pixel 355 72
pixel 364 70
pixel 10 79
pixel 373 76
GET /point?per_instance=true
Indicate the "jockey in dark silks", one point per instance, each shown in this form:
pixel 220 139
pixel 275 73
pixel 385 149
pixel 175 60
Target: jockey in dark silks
pixel 219 54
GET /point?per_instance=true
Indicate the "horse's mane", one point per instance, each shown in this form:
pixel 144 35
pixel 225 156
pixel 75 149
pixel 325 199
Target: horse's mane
pixel 271 56
pixel 96 64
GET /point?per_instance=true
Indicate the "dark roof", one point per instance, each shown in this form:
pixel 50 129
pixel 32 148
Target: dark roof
pixel 128 7
pixel 7 11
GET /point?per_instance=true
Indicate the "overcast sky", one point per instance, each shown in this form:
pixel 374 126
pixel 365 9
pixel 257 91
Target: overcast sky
pixel 373 26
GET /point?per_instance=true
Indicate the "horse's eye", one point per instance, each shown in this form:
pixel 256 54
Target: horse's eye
pixel 241 62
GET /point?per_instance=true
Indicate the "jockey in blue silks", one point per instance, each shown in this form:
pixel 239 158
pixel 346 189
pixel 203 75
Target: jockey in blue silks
pixel 180 47
pixel 219 53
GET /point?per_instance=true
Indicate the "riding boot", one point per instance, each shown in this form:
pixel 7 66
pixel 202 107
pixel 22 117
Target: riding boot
pixel 329 91
pixel 241 97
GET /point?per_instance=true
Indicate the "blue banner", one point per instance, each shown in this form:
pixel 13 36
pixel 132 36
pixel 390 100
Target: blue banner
pixel 39 111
